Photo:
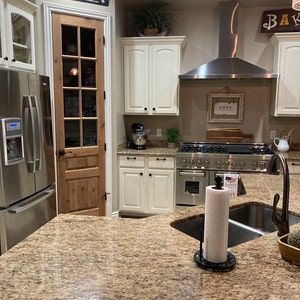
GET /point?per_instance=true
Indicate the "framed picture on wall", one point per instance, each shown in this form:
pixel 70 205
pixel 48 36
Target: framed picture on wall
pixel 225 108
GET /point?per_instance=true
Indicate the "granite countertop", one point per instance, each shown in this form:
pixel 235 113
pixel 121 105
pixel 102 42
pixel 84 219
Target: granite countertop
pixel 85 257
pixel 155 151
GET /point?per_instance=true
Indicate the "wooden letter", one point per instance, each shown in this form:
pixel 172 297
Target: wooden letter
pixel 284 20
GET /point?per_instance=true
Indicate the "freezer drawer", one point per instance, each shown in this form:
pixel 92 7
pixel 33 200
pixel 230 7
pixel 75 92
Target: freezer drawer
pixel 20 220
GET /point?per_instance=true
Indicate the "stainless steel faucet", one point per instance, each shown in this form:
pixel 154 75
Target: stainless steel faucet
pixel 281 219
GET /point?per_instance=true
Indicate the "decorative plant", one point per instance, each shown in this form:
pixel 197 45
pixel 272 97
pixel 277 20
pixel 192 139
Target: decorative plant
pixel 172 134
pixel 153 19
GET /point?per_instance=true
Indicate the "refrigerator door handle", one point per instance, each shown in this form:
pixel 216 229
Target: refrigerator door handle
pixel 31 163
pixel 37 136
pixel 18 208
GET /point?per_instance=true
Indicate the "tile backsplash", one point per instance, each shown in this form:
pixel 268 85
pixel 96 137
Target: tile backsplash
pixel 192 121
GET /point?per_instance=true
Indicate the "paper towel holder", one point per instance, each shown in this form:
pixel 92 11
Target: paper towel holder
pixel 201 262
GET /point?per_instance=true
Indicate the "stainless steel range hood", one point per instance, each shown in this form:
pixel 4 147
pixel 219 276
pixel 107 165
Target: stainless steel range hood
pixel 227 65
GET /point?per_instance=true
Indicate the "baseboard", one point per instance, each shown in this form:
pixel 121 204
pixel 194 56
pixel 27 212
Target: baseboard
pixel 115 214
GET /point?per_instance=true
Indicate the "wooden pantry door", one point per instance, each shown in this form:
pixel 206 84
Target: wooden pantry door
pixel 79 108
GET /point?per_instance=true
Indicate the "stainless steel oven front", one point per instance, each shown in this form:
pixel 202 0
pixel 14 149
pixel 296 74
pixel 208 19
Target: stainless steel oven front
pixel 190 186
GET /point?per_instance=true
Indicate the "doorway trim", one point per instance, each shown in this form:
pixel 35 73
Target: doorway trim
pixel 50 8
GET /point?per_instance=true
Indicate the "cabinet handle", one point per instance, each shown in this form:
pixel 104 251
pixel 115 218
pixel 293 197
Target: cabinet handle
pixel 161 159
pixel 5 58
pixel 145 108
pixel 13 60
pixel 295 164
pixel 150 175
pixel 153 108
pixel 141 174
pixel 131 158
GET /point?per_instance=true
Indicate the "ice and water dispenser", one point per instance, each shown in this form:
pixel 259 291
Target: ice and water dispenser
pixel 13 147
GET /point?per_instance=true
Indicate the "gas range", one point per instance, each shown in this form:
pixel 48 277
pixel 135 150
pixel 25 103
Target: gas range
pixel 252 158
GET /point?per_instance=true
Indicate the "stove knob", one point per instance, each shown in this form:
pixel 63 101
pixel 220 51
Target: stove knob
pixel 226 163
pixel 263 165
pixel 206 163
pixel 242 164
pixel 234 164
pixel 254 164
pixel 218 163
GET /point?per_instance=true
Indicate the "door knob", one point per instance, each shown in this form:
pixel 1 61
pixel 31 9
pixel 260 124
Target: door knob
pixel 61 152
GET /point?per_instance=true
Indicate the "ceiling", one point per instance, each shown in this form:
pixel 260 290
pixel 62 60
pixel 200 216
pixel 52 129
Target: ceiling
pixel 130 5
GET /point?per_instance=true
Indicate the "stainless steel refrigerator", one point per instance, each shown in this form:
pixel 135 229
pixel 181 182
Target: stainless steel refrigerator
pixel 27 190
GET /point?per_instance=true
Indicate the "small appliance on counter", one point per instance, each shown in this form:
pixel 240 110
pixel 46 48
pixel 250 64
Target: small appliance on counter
pixel 138 136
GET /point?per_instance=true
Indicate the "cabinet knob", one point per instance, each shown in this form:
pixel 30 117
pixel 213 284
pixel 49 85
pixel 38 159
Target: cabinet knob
pixel 150 175
pixel 5 58
pixel 61 152
pixel 13 60
pixel 145 108
pixel 153 108
pixel 141 174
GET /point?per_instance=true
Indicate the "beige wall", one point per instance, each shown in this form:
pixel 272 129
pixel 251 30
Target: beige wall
pixel 201 30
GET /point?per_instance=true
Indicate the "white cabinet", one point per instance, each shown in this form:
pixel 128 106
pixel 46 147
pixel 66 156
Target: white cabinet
pixel 136 78
pixel 151 69
pixel 146 184
pixel 287 64
pixel 17 34
pixel 294 166
pixel 132 189
pixel 160 191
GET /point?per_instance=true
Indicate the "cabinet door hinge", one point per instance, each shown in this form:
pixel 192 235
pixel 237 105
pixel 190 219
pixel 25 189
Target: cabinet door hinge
pixel 103 40
pixel 104 94
pixel 104 146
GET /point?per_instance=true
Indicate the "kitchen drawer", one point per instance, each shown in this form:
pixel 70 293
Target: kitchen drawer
pixel 161 162
pixel 131 161
pixel 294 166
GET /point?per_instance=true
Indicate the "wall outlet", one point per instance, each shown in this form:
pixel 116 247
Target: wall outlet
pixel 158 132
pixel 272 134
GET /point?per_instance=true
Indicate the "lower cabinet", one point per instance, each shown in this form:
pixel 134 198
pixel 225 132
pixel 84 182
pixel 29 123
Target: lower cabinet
pixel 148 190
pixel 294 166
pixel 132 189
pixel 160 191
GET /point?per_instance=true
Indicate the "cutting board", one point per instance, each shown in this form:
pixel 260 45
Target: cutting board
pixel 230 135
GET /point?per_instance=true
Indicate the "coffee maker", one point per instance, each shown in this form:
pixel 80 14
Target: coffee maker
pixel 138 136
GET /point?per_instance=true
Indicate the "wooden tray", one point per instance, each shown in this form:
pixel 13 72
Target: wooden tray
pixel 288 253
pixel 233 135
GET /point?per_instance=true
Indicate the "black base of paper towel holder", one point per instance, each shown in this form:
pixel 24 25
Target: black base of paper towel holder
pixel 215 267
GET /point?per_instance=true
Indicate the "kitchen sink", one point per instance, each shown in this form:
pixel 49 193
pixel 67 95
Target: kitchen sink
pixel 258 216
pixel 246 222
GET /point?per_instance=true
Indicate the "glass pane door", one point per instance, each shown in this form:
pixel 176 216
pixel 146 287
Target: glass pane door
pixel 79 86
pixel 21 38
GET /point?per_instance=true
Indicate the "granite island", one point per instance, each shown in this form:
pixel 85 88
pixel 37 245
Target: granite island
pixel 83 257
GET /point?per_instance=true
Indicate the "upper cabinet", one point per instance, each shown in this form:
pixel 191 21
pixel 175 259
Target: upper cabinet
pixel 151 69
pixel 17 47
pixel 287 65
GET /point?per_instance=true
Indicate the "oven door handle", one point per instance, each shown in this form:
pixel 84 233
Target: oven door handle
pixel 197 174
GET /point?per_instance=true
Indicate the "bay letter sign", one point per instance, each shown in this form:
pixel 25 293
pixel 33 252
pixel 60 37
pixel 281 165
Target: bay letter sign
pixel 280 20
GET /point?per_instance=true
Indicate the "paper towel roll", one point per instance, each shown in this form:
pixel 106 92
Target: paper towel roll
pixel 216 224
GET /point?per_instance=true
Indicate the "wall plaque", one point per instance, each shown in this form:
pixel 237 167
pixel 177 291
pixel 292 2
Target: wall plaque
pixel 99 2
pixel 280 20
pixel 225 108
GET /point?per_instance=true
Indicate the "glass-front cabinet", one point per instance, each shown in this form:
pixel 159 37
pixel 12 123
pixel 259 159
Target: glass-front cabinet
pixel 3 51
pixel 17 34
